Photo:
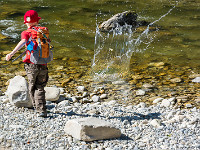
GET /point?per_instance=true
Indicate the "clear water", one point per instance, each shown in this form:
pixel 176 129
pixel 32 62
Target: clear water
pixel 72 26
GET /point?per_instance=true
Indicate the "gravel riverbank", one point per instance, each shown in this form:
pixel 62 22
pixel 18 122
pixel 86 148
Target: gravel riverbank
pixel 143 127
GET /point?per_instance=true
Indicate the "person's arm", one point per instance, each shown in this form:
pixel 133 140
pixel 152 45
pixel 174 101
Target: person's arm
pixel 18 47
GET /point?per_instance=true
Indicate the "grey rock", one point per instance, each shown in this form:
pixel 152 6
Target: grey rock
pixel 103 96
pixel 90 129
pixel 95 98
pixel 52 93
pixel 140 92
pixel 196 80
pixel 157 100
pixel 17 92
pixel 81 89
pixel 165 103
pixel 120 19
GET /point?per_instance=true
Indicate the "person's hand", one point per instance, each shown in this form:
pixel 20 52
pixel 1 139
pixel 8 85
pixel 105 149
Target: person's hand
pixel 8 56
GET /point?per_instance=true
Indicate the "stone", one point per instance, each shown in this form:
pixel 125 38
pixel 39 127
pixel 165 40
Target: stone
pixel 120 19
pixel 81 89
pixel 155 122
pixel 17 92
pixel 176 80
pixel 103 96
pixel 157 100
pixel 91 129
pixel 119 82
pixel 140 92
pixel 148 86
pixel 52 93
pixel 17 126
pixel 165 103
pixel 196 80
pixel 95 98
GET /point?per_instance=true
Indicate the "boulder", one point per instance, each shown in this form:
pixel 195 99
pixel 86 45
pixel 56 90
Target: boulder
pixel 91 129
pixel 196 80
pixel 17 92
pixel 120 19
pixel 52 93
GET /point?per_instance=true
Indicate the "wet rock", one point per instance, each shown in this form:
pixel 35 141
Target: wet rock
pixel 90 129
pixel 156 64
pixel 64 83
pixel 176 80
pixel 17 92
pixel 120 19
pixel 182 99
pixel 148 86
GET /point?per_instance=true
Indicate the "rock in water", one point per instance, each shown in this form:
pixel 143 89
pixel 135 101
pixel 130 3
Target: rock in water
pixel 90 129
pixel 17 92
pixel 127 17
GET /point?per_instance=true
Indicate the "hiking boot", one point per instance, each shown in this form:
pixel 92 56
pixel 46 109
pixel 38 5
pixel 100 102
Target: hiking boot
pixel 43 114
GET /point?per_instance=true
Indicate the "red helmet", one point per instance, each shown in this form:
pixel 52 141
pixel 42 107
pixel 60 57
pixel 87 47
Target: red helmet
pixel 31 16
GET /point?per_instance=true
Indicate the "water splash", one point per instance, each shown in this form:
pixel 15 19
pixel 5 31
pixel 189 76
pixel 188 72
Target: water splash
pixel 113 51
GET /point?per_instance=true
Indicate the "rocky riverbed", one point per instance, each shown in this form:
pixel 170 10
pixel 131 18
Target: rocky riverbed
pixel 159 126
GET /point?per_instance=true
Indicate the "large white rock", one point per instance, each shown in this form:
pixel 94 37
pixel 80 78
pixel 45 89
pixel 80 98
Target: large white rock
pixel 52 93
pixel 90 129
pixel 17 92
pixel 197 80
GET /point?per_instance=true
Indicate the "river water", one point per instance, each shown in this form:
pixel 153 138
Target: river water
pixel 73 26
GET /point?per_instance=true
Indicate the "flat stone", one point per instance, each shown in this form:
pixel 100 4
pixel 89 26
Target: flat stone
pixel 140 92
pixel 52 93
pixel 176 80
pixel 157 100
pixel 91 129
pixel 148 86
pixel 103 96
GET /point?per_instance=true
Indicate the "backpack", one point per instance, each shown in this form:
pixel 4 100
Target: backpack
pixel 40 40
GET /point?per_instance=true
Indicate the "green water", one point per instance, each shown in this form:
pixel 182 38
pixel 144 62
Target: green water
pixel 72 26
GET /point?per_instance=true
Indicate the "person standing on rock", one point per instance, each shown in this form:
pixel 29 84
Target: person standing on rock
pixel 37 73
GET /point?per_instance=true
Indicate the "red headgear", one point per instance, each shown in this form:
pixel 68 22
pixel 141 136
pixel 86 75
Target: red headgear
pixel 31 16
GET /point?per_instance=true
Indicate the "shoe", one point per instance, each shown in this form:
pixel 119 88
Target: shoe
pixel 43 114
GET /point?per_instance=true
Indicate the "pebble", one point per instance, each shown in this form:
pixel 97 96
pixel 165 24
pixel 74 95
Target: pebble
pixel 140 92
pixel 165 103
pixel 157 100
pixel 95 98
